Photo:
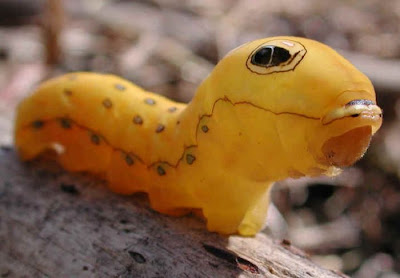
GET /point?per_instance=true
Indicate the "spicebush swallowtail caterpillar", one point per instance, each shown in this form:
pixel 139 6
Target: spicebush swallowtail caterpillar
pixel 271 109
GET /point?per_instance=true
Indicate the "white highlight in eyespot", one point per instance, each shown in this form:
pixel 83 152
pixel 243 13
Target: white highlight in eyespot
pixel 288 43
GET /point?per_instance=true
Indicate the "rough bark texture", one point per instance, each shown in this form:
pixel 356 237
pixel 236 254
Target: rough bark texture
pixel 56 224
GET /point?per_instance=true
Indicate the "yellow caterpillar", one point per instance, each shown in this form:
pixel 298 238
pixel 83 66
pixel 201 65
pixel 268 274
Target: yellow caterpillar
pixel 271 109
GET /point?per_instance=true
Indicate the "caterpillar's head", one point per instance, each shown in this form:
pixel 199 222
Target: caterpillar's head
pixel 325 108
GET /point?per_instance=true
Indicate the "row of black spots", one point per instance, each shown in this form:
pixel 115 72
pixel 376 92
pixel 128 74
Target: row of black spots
pixel 150 101
pixel 64 122
pixel 189 158
pixel 138 120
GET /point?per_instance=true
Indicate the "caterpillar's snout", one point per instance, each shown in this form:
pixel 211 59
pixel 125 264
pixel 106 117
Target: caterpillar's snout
pixel 364 112
pixel 358 120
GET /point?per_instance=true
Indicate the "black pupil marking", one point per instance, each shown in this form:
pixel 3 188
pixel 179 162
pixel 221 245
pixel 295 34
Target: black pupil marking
pixel 204 128
pixel 270 56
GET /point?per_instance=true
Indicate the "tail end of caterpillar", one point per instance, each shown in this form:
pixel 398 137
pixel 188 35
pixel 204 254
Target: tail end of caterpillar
pixel 72 150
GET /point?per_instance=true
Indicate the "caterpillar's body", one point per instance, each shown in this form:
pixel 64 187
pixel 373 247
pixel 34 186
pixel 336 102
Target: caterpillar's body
pixel 273 108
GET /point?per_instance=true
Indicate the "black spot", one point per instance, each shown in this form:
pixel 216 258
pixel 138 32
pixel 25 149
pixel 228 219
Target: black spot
pixel 67 92
pixel 270 56
pixel 107 103
pixel 129 160
pixel 149 101
pixel 204 128
pixel 190 159
pixel 355 115
pixel 120 87
pixel 84 268
pixel 160 128
pixel 137 120
pixel 172 109
pixel 69 188
pixel 139 258
pixel 95 139
pixel 65 123
pixel 160 171
pixel 38 124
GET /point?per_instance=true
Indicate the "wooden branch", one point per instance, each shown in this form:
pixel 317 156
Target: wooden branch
pixel 53 22
pixel 55 224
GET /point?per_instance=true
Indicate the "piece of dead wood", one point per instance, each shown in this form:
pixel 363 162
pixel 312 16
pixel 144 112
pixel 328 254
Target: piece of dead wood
pixel 55 224
pixel 52 25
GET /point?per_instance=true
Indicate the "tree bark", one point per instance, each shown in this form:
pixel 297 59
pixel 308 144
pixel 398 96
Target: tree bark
pixel 57 224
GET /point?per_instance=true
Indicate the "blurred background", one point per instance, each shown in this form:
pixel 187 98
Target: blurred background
pixel 350 223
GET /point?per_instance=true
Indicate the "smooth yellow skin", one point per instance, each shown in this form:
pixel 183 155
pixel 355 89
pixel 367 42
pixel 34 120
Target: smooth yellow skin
pixel 246 127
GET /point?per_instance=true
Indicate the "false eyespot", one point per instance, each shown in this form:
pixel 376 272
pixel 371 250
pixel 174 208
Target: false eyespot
pixel 276 56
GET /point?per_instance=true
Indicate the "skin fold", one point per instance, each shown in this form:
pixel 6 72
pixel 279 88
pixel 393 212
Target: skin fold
pixel 271 109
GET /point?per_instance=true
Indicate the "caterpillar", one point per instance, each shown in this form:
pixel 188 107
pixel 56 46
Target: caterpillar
pixel 271 109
